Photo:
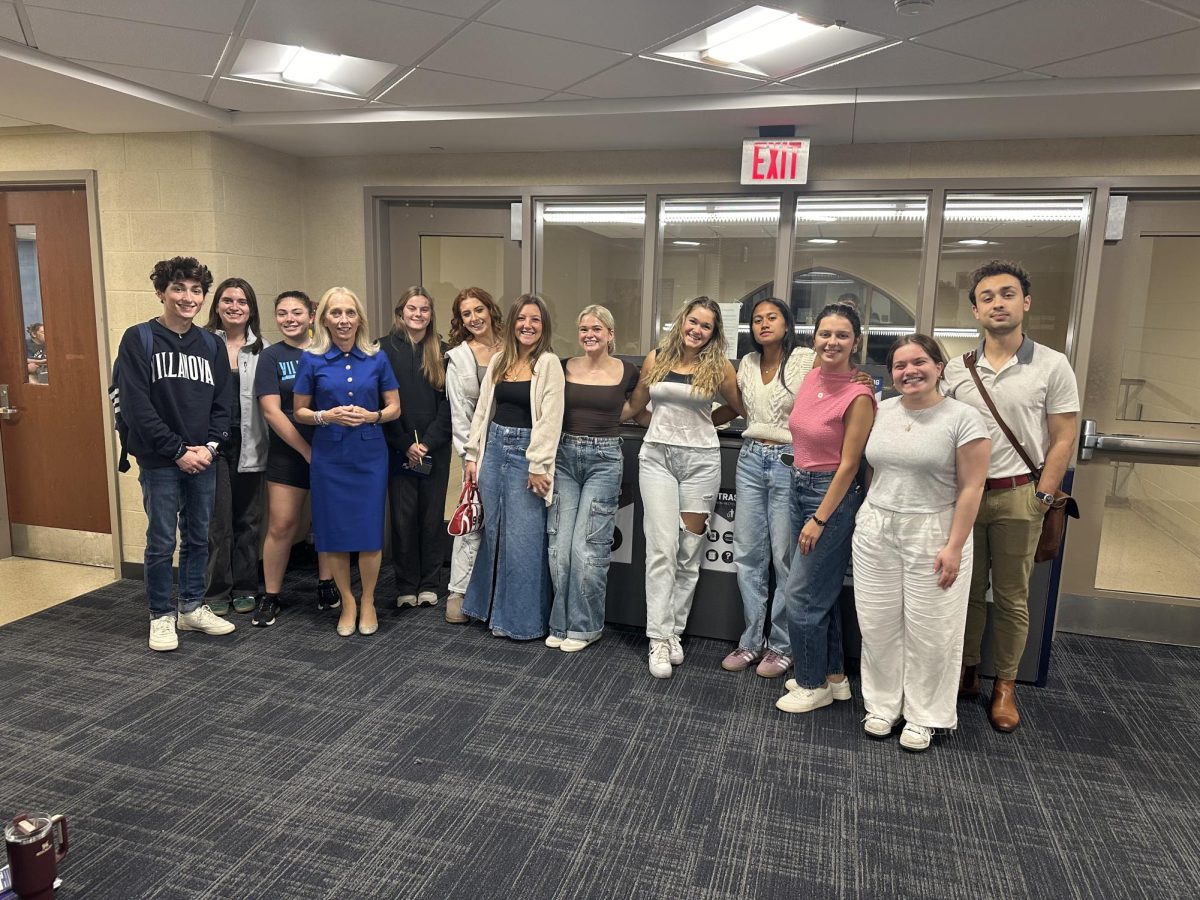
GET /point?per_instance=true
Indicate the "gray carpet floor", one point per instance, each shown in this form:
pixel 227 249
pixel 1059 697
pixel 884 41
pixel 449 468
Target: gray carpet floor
pixel 436 761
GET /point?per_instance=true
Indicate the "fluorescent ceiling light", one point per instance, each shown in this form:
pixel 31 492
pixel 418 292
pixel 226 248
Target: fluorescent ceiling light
pixel 307 67
pixel 756 32
pixel 822 241
pixel 974 242
pixel 955 332
pixel 686 243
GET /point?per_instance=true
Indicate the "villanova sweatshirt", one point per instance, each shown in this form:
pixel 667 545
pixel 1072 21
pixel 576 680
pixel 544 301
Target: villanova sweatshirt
pixel 178 398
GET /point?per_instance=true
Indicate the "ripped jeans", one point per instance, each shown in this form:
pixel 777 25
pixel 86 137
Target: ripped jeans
pixel 674 480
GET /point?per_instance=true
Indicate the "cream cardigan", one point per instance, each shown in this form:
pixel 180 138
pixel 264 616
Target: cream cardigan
pixel 546 410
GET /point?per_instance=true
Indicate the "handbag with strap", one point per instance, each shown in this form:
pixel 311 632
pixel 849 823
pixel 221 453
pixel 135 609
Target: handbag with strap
pixel 468 515
pixel 1054 524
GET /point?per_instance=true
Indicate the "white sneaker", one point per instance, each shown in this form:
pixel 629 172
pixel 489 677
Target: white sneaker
pixel 574 645
pixel 915 737
pixel 802 699
pixel 660 659
pixel 427 598
pixel 877 726
pixel 676 650
pixel 162 633
pixel 839 689
pixel 204 619
pixel 554 642
pixel 406 600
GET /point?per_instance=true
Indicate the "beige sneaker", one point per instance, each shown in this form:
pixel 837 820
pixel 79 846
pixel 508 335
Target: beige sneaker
pixel 203 619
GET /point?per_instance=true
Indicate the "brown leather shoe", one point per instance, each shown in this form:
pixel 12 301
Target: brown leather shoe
pixel 454 614
pixel 1004 713
pixel 968 683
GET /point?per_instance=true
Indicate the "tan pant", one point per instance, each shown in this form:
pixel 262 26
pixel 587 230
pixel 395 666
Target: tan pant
pixel 1006 536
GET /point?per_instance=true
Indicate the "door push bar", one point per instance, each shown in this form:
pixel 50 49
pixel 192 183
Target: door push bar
pixel 1091 440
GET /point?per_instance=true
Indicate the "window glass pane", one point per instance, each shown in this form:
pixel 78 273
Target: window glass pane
pixel 36 366
pixel 865 248
pixel 1039 231
pixel 719 247
pixel 590 252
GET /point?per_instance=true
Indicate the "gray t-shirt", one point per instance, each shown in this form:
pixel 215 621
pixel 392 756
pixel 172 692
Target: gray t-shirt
pixel 913 454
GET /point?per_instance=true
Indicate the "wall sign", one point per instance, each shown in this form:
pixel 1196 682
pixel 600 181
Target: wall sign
pixel 775 162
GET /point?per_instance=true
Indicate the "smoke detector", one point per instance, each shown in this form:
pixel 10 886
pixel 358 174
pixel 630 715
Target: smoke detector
pixel 912 7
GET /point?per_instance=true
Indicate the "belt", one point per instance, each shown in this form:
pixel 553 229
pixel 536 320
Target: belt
pixel 1004 484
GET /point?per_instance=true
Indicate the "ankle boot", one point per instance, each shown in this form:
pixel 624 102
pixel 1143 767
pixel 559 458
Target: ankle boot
pixel 968 683
pixel 453 612
pixel 1004 713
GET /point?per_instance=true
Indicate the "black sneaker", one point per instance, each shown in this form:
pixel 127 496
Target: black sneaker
pixel 328 596
pixel 265 610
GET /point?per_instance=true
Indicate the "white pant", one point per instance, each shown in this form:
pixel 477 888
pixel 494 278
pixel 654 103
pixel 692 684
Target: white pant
pixel 912 630
pixel 462 561
pixel 674 480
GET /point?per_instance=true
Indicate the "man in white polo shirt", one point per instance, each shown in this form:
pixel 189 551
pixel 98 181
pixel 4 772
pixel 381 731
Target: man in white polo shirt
pixel 1035 393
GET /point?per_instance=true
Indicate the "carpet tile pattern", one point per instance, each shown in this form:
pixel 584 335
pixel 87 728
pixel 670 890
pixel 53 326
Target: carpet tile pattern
pixel 437 761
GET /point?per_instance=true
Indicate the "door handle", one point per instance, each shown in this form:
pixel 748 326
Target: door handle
pixel 6 412
pixel 1091 439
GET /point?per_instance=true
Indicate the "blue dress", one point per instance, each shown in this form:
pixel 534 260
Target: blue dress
pixel 349 463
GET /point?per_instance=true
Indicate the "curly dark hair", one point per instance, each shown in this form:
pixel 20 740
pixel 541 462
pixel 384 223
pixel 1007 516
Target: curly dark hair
pixel 1000 267
pixel 180 268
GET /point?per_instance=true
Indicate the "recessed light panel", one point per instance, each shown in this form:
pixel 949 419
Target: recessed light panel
pixel 284 66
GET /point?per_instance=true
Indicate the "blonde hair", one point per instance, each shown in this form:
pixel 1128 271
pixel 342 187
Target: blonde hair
pixel 323 340
pixel 709 371
pixel 509 354
pixel 605 318
pixel 432 366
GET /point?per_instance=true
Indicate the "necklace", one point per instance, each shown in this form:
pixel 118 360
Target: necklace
pixel 913 420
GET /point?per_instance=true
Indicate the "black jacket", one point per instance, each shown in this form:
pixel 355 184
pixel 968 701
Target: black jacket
pixel 423 409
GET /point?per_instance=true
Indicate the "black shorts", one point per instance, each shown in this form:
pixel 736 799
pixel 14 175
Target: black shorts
pixel 286 466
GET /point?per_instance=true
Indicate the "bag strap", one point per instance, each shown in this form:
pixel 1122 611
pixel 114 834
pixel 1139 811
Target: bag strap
pixel 969 360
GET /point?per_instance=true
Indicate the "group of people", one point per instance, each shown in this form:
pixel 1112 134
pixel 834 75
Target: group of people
pixel 920 490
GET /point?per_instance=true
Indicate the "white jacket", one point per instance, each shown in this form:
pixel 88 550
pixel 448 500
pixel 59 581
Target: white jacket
pixel 462 389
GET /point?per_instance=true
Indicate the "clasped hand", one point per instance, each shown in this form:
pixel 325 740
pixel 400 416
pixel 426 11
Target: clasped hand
pixel 348 415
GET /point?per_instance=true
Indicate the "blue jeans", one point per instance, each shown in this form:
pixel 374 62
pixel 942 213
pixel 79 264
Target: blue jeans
pixel 587 487
pixel 175 500
pixel 814 583
pixel 510 584
pixel 762 535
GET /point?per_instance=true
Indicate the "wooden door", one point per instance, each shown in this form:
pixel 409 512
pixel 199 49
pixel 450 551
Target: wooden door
pixel 55 466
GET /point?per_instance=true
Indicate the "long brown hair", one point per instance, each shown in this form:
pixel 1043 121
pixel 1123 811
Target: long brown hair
pixel 507 357
pixel 458 331
pixel 253 326
pixel 710 362
pixel 432 366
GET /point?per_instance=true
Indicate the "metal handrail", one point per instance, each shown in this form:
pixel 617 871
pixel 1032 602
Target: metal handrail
pixel 1091 440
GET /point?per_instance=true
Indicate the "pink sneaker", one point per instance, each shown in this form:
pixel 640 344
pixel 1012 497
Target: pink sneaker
pixel 773 665
pixel 740 660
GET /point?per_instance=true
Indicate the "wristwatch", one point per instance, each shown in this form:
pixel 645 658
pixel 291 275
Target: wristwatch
pixel 1043 497
pixel 212 448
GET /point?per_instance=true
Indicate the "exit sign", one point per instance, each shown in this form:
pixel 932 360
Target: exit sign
pixel 775 162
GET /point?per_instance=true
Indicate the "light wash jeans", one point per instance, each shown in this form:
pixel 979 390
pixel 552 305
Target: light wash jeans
pixel 762 535
pixel 175 500
pixel 587 487
pixel 510 584
pixel 814 583
pixel 674 480
pixel 911 628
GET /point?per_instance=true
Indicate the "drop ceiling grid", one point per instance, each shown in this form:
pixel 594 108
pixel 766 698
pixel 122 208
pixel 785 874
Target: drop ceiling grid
pixel 10 25
pixel 181 84
pixel 217 16
pixel 427 87
pixel 903 64
pixel 1175 54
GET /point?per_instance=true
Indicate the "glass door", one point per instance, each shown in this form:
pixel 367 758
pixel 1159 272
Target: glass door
pixel 1133 562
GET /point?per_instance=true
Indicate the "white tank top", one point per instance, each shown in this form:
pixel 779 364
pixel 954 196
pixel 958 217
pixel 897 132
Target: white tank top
pixel 680 417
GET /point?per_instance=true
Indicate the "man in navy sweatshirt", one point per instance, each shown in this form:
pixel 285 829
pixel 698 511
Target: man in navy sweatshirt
pixel 176 404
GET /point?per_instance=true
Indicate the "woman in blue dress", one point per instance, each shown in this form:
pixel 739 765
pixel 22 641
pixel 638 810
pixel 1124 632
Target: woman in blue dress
pixel 346 389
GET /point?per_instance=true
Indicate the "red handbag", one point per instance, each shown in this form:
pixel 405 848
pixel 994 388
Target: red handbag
pixel 468 515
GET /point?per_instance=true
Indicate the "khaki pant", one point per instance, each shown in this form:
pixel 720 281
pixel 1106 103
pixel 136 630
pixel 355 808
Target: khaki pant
pixel 1006 535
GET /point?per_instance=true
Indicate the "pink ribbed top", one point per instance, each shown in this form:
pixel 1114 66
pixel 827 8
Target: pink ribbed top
pixel 816 420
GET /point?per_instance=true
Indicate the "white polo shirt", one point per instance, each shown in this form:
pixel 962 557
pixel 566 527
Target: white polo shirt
pixel 1036 382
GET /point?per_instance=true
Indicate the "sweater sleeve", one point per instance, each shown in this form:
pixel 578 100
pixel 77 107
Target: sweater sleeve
pixel 223 400
pixel 479 422
pixel 460 406
pixel 137 408
pixel 543 442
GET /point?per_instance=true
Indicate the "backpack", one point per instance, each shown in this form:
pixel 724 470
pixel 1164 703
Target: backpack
pixel 114 390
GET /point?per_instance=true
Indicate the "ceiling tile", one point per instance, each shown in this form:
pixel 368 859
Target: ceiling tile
pixel 100 39
pixel 630 25
pixel 6 122
pixel 1020 76
pixel 881 17
pixel 1032 35
pixel 246 97
pixel 353 27
pixel 904 64
pixel 10 25
pixel 181 84
pixel 464 9
pixel 651 78
pixel 1191 7
pixel 1177 54
pixel 520 58
pixel 426 88
pixel 564 95
pixel 212 15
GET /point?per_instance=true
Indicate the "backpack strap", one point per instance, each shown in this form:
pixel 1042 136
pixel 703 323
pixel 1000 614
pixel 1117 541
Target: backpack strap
pixel 969 360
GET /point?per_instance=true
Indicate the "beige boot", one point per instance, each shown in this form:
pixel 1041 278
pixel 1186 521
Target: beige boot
pixel 454 613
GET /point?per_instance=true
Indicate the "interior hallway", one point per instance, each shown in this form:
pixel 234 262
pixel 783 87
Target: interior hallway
pixel 28 586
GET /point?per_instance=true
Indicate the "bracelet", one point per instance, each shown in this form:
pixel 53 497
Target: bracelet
pixel 379 421
pixel 318 416
pixel 821 522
